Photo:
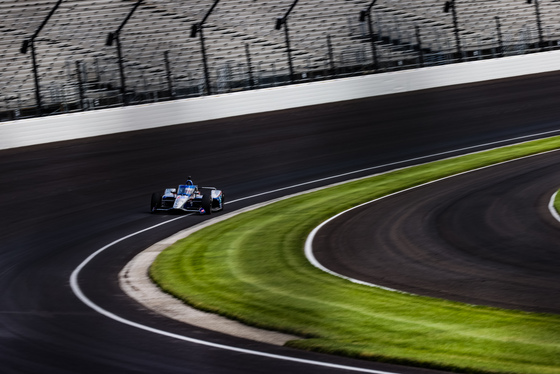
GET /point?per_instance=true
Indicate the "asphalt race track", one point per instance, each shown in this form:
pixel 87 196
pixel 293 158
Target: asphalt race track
pixel 485 237
pixel 61 202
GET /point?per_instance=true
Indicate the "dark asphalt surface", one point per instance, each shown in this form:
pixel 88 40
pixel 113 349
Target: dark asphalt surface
pixel 61 202
pixel 485 237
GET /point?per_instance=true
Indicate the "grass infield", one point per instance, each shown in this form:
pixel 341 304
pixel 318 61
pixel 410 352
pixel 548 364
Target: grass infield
pixel 252 268
pixel 557 202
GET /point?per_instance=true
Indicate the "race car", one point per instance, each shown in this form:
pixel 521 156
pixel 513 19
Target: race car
pixel 188 198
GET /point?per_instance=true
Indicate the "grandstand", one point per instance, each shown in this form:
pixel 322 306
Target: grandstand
pixel 327 40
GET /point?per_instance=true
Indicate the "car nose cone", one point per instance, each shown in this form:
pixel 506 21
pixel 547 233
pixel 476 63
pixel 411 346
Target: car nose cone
pixel 180 201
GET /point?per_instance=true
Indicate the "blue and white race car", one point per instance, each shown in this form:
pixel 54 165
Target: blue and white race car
pixel 188 198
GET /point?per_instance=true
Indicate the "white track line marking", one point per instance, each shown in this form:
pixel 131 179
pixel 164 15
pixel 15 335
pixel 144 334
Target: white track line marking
pixel 78 292
pixel 308 249
pixel 551 207
pixel 537 135
pixel 80 295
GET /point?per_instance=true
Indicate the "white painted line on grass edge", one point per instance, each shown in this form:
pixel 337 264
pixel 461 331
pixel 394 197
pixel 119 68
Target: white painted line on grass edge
pixel 309 241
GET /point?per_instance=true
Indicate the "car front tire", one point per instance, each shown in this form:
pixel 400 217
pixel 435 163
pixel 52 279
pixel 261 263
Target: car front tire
pixel 207 203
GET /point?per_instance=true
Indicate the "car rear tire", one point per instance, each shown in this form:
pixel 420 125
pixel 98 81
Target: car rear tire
pixel 223 201
pixel 156 202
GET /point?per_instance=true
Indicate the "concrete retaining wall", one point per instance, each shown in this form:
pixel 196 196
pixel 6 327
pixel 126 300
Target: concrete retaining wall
pixel 109 121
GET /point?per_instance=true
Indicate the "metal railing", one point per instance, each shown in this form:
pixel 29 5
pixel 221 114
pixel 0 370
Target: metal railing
pixel 94 83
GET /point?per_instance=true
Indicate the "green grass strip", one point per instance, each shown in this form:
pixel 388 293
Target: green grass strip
pixel 556 203
pixel 252 268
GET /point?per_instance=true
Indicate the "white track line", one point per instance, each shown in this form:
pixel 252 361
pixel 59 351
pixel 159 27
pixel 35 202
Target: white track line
pixel 78 292
pixel 552 209
pixel 309 241
pixel 537 135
